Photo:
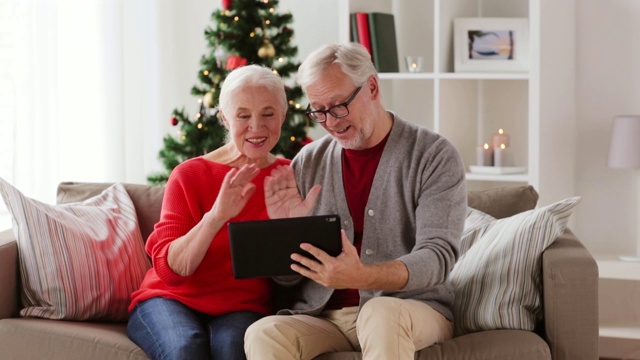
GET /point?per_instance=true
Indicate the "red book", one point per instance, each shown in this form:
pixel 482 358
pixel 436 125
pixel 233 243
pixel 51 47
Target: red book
pixel 362 21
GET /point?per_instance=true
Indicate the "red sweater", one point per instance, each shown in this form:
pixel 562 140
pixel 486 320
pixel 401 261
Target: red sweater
pixel 358 170
pixel 190 192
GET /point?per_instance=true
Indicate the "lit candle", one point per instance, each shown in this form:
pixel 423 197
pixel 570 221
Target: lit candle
pixel 484 155
pixel 502 156
pixel 414 63
pixel 500 138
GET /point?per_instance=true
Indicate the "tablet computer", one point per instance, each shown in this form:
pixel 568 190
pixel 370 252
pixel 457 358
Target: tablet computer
pixel 263 248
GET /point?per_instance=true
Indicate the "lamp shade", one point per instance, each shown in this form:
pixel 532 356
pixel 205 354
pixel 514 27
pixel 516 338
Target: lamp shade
pixel 624 149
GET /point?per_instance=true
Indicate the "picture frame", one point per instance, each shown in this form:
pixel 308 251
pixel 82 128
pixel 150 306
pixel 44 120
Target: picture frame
pixel 491 45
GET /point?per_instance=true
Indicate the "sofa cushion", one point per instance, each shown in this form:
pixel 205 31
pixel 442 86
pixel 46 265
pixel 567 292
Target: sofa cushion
pixel 498 344
pixel 503 202
pixel 78 261
pixel 147 199
pixel 69 340
pixel 9 290
pixel 497 281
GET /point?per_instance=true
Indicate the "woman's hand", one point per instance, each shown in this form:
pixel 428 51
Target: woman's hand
pixel 186 252
pixel 236 190
pixel 282 197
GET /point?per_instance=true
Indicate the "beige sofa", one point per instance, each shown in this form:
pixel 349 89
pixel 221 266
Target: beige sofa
pixel 569 330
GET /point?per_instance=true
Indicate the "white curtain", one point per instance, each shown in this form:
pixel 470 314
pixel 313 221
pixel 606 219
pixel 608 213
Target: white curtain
pixel 87 87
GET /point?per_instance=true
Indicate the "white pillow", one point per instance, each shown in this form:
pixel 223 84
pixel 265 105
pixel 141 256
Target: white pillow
pixel 78 261
pixel 497 281
pixel 473 227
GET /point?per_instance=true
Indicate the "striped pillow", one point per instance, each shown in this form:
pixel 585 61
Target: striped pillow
pixel 78 261
pixel 473 226
pixel 497 281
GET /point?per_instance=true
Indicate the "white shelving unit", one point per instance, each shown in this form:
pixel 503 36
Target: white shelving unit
pixel 613 268
pixel 619 308
pixel 536 108
pixel 467 108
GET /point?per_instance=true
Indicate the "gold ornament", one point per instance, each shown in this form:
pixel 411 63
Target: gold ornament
pixel 266 50
pixel 208 99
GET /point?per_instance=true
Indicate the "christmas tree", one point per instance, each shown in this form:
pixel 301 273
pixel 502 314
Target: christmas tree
pixel 244 32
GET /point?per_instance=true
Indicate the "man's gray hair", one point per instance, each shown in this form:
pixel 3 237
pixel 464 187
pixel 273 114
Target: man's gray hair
pixel 353 58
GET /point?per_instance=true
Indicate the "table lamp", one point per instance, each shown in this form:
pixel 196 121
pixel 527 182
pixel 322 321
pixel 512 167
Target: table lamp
pixel 624 153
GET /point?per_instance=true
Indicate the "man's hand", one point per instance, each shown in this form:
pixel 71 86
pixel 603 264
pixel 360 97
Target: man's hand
pixel 345 271
pixel 282 197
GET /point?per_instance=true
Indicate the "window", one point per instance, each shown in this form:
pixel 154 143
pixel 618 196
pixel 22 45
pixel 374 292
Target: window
pixel 8 29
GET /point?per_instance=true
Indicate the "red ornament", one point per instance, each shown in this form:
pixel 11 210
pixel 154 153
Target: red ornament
pixel 226 4
pixel 235 61
pixel 307 140
pixel 174 121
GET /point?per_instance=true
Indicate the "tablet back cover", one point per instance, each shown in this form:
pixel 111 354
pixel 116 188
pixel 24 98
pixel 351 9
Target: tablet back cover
pixel 263 248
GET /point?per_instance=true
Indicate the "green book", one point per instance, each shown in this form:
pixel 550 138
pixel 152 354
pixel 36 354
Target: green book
pixel 382 31
pixel 354 28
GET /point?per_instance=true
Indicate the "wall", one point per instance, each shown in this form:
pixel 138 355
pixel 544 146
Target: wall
pixel 315 22
pixel 608 83
pixel 180 43
pixel 557 101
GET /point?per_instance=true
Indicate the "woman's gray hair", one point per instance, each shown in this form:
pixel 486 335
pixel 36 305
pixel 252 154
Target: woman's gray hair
pixel 353 58
pixel 252 75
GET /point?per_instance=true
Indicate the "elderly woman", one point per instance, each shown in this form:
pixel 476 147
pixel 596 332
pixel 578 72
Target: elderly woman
pixel 189 305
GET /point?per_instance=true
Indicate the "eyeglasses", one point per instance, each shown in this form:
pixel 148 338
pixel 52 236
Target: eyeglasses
pixel 337 111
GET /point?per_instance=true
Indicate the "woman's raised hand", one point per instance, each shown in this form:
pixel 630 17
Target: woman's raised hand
pixel 236 190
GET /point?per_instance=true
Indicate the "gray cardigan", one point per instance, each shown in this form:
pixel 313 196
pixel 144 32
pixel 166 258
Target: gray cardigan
pixel 415 212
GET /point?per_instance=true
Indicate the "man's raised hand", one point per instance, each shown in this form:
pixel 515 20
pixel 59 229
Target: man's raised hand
pixel 282 197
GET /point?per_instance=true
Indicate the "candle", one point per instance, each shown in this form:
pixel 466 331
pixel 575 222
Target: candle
pixel 500 138
pixel 484 155
pixel 414 63
pixel 502 156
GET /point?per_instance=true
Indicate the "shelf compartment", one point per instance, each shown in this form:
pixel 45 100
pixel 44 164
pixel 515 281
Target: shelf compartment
pixel 406 76
pixel 484 76
pixel 411 100
pixel 452 76
pixel 612 268
pixel 620 331
pixel 498 178
pixel 472 111
pixel 619 342
pixel 496 170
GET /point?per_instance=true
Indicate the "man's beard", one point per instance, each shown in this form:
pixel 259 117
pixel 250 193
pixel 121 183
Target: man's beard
pixel 360 138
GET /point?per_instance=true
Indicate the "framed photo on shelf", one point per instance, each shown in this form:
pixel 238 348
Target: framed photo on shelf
pixel 491 45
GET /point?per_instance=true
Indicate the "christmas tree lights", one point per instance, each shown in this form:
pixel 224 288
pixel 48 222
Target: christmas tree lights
pixel 244 32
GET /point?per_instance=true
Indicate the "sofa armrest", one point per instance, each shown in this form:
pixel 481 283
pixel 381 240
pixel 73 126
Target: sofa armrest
pixel 9 293
pixel 570 293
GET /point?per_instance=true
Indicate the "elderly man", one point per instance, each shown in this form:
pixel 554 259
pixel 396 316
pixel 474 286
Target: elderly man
pixel 400 192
